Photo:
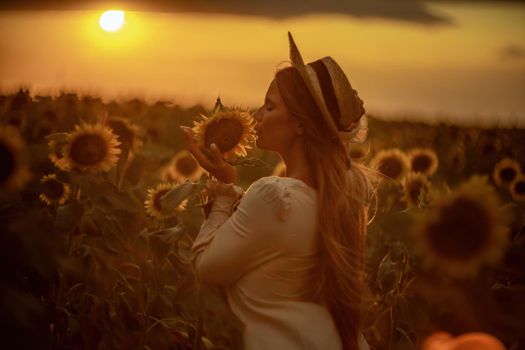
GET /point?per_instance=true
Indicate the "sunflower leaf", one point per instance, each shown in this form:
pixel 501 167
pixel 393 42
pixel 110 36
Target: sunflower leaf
pixel 156 152
pixel 170 234
pixel 250 161
pixel 109 197
pixel 203 179
pixel 172 199
pixel 162 241
pixel 135 170
pixel 386 273
pixel 68 217
pixel 159 246
pixel 218 105
pixel 58 136
pixel 184 252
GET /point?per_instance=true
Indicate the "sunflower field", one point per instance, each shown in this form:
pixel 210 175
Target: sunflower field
pixel 100 203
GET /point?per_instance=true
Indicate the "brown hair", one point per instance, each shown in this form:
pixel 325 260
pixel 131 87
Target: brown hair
pixel 342 219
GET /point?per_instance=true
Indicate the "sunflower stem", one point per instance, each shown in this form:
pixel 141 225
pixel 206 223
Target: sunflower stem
pixel 197 340
pixel 122 172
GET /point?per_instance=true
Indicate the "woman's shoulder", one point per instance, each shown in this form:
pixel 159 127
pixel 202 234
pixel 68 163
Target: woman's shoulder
pixel 270 191
pixel 270 187
pixel 266 182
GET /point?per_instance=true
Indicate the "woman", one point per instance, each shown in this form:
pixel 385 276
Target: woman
pixel 290 255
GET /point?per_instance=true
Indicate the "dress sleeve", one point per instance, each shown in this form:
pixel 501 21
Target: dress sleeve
pixel 227 246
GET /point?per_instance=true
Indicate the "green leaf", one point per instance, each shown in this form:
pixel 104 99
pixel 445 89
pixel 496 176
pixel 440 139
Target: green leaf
pixel 184 252
pixel 219 107
pixel 386 273
pixel 172 199
pixel 135 169
pixel 88 183
pixel 249 161
pixel 109 197
pixel 162 241
pixel 57 136
pixel 202 181
pixel 170 234
pixel 75 289
pixel 159 246
pixel 68 217
pixel 156 152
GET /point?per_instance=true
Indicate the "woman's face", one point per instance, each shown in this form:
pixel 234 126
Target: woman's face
pixel 275 128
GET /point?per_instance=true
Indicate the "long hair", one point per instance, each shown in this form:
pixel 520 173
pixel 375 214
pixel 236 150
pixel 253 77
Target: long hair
pixel 343 196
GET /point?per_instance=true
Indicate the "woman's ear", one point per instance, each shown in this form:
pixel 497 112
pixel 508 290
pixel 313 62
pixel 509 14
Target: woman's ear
pixel 297 126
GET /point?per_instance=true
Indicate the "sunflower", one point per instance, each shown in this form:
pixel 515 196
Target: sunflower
pixel 15 172
pixel 279 169
pixel 126 131
pixel 488 144
pixel 505 171
pixel 56 154
pixel 55 192
pixel 16 119
pixel 413 184
pixel 517 188
pixel 231 130
pixel 392 163
pixel 423 160
pixel 91 148
pixel 469 136
pixel 182 166
pixel 455 159
pixel 153 203
pixel 441 340
pixel 463 230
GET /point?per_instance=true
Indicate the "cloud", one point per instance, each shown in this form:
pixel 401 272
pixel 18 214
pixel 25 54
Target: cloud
pixel 402 10
pixel 416 11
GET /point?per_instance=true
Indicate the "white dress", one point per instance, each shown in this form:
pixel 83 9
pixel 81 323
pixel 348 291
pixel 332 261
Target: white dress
pixel 263 254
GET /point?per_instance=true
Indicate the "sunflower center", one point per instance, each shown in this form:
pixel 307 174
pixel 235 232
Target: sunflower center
pixel 186 165
pixel 489 147
pixel 461 232
pixel 391 167
pixel 519 187
pixel 508 174
pixel 8 162
pixel 421 163
pixel 157 197
pixel 467 138
pixel 225 133
pixel 123 132
pixel 88 149
pixel 53 189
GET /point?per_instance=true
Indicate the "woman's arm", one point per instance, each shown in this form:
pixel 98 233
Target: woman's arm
pixel 232 242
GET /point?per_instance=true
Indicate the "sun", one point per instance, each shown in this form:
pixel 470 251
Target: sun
pixel 111 20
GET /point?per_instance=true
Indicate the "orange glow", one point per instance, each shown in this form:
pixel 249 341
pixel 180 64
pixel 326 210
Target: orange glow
pixel 194 58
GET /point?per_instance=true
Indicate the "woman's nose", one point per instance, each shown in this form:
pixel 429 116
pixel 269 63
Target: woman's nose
pixel 257 114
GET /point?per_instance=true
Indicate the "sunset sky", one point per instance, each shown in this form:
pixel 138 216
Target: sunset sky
pixel 464 59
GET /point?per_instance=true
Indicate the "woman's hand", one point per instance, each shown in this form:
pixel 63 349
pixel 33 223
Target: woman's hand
pixel 215 165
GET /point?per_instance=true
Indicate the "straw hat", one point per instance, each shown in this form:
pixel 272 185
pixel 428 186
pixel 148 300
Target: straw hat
pixel 352 122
